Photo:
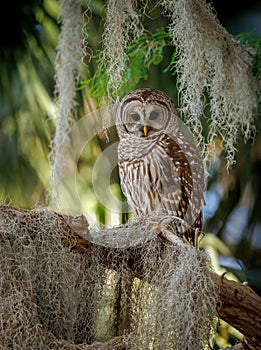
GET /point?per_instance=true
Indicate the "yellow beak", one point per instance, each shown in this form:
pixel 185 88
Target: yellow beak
pixel 145 130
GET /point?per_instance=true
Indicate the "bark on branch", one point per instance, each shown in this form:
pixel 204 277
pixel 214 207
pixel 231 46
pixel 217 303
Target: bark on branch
pixel 238 304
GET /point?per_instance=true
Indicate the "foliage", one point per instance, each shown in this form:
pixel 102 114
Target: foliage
pixel 147 50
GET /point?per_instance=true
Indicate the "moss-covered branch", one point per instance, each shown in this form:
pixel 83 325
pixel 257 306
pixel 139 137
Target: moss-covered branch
pixel 237 304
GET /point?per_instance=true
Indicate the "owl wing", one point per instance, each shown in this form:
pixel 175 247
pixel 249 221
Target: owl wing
pixel 182 181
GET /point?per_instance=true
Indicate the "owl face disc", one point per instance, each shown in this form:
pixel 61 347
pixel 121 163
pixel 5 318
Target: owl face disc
pixel 144 120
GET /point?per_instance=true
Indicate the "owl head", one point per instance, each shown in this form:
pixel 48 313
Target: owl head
pixel 146 113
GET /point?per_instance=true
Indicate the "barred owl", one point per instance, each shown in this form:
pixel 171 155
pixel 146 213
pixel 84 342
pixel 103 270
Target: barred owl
pixel 159 166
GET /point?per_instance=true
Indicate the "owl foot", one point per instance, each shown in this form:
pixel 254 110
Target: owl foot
pixel 164 227
pixel 170 236
pixel 175 230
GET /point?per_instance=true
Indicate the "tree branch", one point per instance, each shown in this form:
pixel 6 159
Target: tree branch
pixel 237 304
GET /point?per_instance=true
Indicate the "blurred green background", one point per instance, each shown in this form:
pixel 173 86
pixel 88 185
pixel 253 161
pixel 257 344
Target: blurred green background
pixel 28 40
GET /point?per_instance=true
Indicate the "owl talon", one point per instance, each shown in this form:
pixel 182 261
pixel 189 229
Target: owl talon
pixel 184 239
pixel 166 234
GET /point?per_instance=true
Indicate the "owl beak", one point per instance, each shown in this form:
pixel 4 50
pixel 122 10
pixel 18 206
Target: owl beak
pixel 146 130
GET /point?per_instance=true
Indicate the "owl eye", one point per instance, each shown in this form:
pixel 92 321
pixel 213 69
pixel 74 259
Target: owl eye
pixel 135 117
pixel 153 115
